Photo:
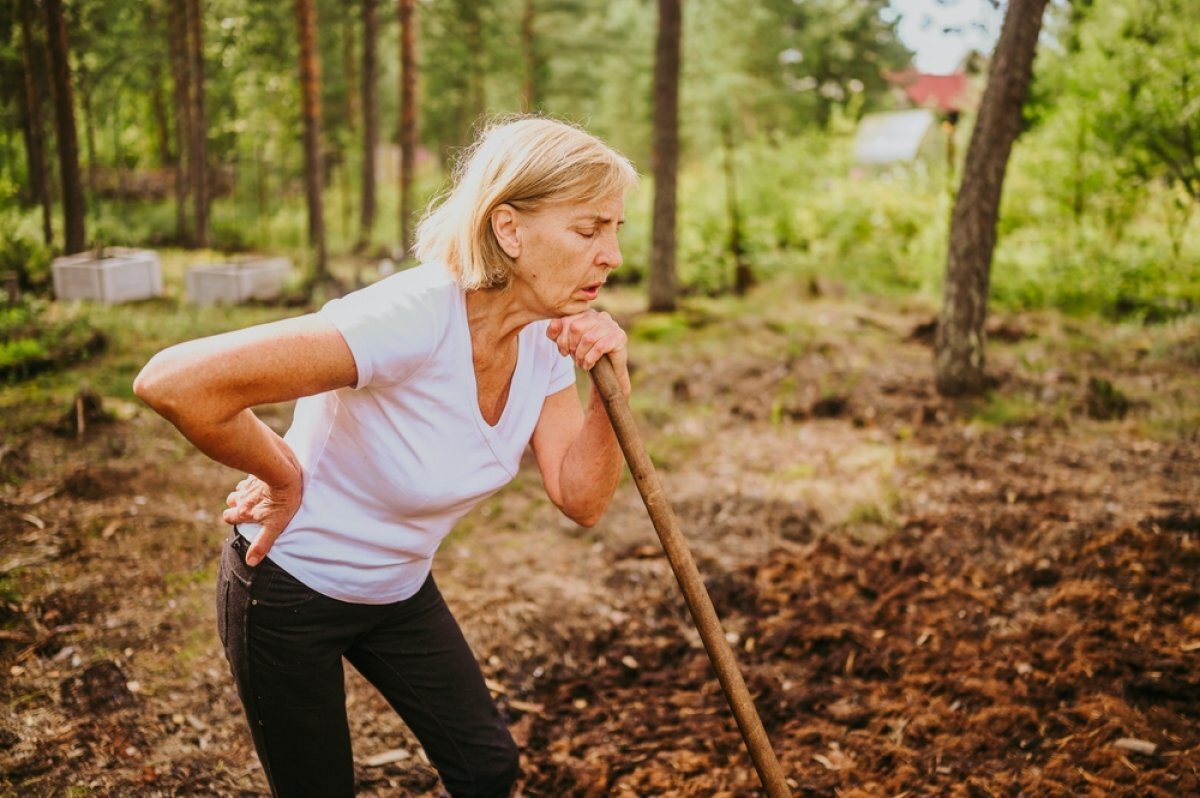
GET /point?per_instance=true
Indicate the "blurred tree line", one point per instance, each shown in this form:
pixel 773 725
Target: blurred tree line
pixel 183 107
pixel 203 99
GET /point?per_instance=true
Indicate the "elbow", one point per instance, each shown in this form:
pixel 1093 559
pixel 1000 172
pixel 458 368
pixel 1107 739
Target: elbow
pixel 152 386
pixel 145 384
pixel 586 517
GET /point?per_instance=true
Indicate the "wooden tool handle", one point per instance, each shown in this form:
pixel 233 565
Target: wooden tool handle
pixel 696 595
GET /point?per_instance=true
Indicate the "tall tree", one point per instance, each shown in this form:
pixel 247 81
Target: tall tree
pixel 64 112
pixel 470 14
pixel 39 176
pixel 310 102
pixel 198 123
pixel 743 276
pixel 181 81
pixel 370 112
pixel 665 155
pixel 349 72
pixel 160 116
pixel 960 346
pixel 408 118
pixel 531 94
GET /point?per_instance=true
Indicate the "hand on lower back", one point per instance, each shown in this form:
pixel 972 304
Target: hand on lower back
pixel 254 501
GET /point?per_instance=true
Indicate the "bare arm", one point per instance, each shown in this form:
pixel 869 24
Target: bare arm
pixel 576 450
pixel 207 387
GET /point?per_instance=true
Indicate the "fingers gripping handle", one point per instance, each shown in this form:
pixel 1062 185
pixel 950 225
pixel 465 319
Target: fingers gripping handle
pixel 694 592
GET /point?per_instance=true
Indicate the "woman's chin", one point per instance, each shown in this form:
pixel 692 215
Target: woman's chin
pixel 575 305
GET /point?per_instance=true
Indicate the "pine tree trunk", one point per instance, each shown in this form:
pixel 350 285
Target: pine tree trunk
pixel 743 277
pixel 87 86
pixel 959 351
pixel 29 191
pixel 198 127
pixel 476 100
pixel 162 125
pixel 152 19
pixel 408 119
pixel 531 94
pixel 181 83
pixel 665 155
pixel 350 68
pixel 310 96
pixel 68 144
pixel 39 174
pixel 370 110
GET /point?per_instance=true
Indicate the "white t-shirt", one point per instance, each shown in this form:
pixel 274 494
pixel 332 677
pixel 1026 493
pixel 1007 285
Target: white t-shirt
pixel 391 464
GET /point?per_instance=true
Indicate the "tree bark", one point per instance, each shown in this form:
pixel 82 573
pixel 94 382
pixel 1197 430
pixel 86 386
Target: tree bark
pixel 86 85
pixel 181 98
pixel 162 124
pixel 743 276
pixel 959 353
pixel 310 102
pixel 68 143
pixel 370 111
pixel 39 175
pixel 531 93
pixel 198 127
pixel 152 19
pixel 665 155
pixel 29 191
pixel 350 68
pixel 408 118
pixel 475 102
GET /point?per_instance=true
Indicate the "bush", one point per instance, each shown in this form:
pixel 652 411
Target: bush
pixel 36 336
pixel 28 258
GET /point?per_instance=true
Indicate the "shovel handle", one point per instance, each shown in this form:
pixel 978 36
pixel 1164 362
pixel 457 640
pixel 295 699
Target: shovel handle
pixel 694 592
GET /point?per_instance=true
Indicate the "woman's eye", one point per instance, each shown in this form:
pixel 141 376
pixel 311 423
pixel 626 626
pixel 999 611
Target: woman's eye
pixel 587 233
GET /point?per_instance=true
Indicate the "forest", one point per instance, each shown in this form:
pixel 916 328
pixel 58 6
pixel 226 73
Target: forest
pixel 925 400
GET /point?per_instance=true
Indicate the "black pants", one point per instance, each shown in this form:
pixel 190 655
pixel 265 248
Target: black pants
pixel 285 644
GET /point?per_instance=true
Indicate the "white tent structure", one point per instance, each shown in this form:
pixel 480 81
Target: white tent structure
pixel 895 137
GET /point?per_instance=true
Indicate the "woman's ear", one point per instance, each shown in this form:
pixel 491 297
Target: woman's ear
pixel 505 228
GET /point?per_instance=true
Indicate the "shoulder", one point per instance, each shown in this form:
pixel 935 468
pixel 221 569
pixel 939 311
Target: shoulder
pixel 418 296
pixel 393 325
pixel 426 285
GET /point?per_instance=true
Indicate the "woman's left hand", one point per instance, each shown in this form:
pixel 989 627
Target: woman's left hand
pixel 588 336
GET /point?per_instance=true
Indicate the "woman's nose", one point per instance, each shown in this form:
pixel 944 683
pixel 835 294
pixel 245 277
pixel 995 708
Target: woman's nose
pixel 610 255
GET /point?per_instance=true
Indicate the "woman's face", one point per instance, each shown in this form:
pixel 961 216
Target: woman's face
pixel 566 252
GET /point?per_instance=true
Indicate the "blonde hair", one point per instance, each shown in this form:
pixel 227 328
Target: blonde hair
pixel 526 162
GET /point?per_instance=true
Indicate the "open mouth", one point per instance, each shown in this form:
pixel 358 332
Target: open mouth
pixel 591 291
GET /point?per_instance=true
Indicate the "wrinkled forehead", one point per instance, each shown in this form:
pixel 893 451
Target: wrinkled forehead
pixel 602 210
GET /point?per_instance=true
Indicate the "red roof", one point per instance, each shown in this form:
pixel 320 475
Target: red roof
pixel 943 92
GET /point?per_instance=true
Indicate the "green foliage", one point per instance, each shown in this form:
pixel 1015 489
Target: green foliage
pixel 23 254
pixel 36 336
pixel 1098 208
pixel 1126 78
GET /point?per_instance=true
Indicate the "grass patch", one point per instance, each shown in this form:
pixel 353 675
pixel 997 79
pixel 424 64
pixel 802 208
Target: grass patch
pixel 37 336
pixel 997 409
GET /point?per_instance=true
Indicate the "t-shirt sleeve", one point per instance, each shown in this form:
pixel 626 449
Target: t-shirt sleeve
pixel 562 371
pixel 390 331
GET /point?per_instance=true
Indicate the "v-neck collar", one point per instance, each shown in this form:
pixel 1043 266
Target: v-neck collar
pixel 490 431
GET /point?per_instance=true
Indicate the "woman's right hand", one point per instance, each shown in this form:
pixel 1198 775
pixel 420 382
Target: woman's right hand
pixel 254 501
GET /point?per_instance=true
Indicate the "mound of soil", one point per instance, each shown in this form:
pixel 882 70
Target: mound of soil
pixel 890 670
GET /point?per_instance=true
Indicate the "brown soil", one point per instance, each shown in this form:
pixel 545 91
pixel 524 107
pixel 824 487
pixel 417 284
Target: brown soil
pixel 923 604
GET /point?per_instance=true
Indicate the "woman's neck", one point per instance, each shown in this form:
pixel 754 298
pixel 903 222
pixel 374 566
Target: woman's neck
pixel 495 316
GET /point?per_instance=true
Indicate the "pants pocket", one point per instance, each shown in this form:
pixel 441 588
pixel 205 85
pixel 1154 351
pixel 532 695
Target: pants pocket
pixel 276 589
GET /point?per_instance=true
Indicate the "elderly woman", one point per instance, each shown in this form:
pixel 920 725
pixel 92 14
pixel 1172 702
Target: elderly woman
pixel 416 398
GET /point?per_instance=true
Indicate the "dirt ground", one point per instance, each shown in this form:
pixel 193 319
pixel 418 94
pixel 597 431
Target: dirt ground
pixel 926 600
